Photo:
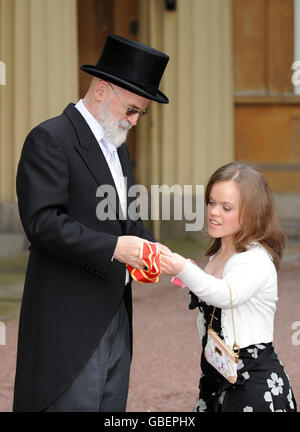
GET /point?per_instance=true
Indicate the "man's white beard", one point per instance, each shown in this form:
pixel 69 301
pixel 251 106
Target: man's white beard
pixel 114 131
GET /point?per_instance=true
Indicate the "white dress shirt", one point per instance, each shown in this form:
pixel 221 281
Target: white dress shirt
pixel 112 158
pixel 252 277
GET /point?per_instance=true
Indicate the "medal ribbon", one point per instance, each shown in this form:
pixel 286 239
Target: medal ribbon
pixel 150 255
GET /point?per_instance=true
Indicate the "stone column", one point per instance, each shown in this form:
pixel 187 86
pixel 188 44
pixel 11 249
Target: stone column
pixel 38 44
pixel 193 135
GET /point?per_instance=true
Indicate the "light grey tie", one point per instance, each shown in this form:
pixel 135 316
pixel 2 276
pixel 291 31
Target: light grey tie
pixel 114 160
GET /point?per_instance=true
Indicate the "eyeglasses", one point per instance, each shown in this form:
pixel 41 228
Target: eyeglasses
pixel 130 111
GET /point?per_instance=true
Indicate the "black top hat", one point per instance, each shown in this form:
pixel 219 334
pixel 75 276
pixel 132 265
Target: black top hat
pixel 132 66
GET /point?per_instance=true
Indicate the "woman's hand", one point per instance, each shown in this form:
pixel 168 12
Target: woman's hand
pixel 172 263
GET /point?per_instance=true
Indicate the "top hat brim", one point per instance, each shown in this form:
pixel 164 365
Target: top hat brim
pixel 157 97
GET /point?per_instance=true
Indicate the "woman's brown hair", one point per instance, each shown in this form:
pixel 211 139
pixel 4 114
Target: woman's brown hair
pixel 258 217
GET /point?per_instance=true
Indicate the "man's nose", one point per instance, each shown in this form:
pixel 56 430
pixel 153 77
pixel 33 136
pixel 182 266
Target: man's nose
pixel 133 119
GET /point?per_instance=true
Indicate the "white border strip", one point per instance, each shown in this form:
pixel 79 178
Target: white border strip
pixel 297 38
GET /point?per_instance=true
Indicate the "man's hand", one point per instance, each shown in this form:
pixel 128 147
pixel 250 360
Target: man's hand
pixel 128 251
pixel 164 249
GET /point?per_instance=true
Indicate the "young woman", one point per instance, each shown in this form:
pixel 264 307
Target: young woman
pixel 246 249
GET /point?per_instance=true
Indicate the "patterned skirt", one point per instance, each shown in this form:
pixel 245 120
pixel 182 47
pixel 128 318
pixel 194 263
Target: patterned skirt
pixel 262 385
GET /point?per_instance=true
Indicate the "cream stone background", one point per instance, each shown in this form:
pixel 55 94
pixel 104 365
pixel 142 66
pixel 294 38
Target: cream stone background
pixel 38 44
pixel 179 143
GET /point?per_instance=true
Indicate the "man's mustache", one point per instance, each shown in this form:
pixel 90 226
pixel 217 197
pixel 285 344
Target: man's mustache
pixel 125 124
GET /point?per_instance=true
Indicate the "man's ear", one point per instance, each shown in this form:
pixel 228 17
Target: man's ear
pixel 101 90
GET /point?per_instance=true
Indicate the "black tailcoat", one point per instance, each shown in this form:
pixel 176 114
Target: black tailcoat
pixel 72 287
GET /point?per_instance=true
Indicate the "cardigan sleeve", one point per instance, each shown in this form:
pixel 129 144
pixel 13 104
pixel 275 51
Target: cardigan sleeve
pixel 247 273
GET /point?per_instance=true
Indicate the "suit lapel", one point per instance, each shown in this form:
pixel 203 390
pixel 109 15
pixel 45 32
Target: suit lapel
pixel 92 155
pixel 125 160
pixel 126 165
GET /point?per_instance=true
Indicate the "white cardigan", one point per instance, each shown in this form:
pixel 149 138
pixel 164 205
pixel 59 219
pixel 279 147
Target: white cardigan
pixel 252 277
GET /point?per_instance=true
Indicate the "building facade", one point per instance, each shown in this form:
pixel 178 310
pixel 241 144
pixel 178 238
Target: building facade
pixel 229 81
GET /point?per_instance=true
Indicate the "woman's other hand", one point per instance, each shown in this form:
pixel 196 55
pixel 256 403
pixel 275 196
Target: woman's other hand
pixel 172 264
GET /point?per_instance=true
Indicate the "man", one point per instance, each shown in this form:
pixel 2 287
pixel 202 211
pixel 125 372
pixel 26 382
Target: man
pixel 75 332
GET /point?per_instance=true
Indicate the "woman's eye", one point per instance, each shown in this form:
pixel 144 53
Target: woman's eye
pixel 227 208
pixel 210 203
